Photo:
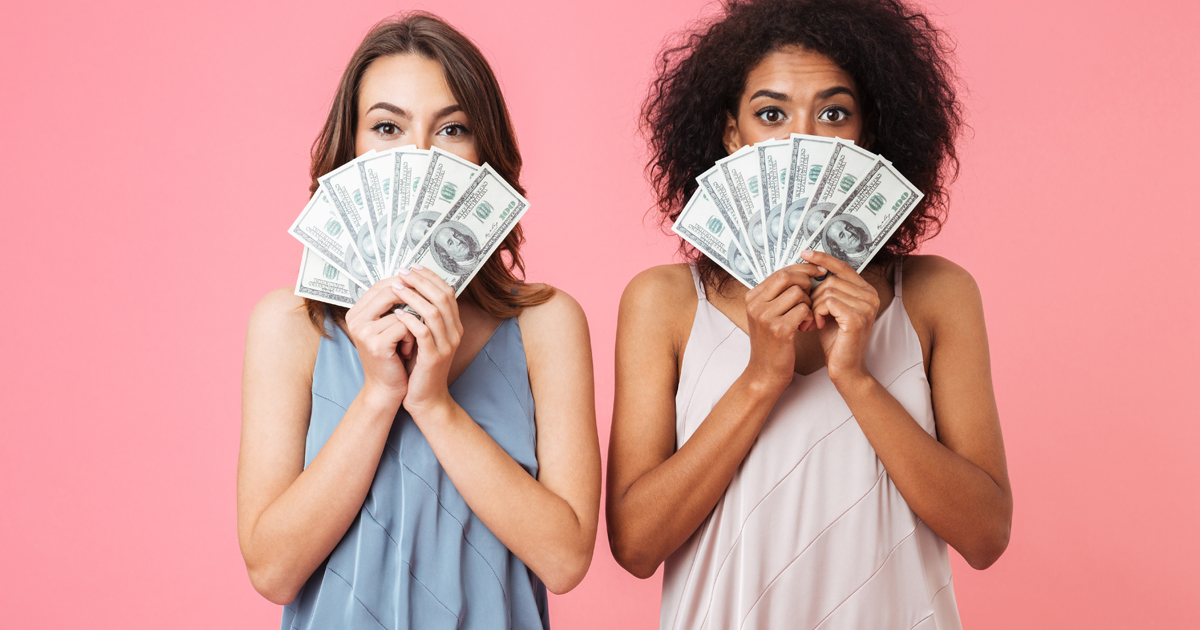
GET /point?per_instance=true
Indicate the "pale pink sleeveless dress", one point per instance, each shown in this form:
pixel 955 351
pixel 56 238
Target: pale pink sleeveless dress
pixel 811 532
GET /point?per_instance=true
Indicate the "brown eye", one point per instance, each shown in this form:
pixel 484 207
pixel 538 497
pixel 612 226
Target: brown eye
pixel 770 115
pixel 454 130
pixel 386 129
pixel 834 115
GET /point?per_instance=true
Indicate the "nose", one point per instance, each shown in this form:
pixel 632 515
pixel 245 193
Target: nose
pixel 423 141
pixel 803 123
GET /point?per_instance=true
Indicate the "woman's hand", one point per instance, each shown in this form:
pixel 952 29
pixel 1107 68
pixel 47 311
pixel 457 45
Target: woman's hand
pixel 383 341
pixel 852 303
pixel 775 311
pixel 437 338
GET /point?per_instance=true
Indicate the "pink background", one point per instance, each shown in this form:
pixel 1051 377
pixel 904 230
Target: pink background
pixel 155 155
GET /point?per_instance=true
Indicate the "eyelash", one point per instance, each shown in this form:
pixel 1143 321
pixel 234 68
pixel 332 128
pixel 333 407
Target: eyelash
pixel 461 129
pixel 842 111
pixel 770 110
pixel 378 128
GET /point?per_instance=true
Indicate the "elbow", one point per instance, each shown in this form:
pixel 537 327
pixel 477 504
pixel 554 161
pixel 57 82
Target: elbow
pixel 273 585
pixel 570 570
pixel 986 551
pixel 633 557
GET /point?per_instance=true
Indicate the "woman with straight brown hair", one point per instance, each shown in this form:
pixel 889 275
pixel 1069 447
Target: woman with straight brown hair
pixel 393 470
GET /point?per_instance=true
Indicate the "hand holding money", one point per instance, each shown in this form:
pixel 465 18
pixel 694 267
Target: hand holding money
pixel 397 209
pixel 844 307
pixel 755 211
pixel 438 330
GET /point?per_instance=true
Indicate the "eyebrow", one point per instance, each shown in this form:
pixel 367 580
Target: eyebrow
pixel 389 107
pixel 443 112
pixel 840 89
pixel 769 94
pixel 824 94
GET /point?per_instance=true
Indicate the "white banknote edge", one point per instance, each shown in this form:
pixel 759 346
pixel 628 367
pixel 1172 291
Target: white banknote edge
pixel 300 236
pixel 403 256
pixel 851 199
pixel 303 290
pixel 792 253
pixel 373 270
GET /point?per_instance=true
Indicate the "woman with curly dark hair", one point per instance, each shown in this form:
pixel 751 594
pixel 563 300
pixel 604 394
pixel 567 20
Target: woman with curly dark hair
pixel 778 448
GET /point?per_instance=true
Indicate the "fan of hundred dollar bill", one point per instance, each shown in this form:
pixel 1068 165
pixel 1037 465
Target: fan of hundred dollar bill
pixel 394 209
pixel 757 209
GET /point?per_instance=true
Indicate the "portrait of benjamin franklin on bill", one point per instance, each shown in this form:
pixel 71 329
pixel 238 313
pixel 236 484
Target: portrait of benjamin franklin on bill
pixel 813 220
pixel 355 267
pixel 791 218
pixel 366 245
pixel 418 226
pixel 738 263
pixel 774 222
pixel 847 237
pixel 456 248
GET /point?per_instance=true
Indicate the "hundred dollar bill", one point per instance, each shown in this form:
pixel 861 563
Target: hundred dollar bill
pixel 702 224
pixel 806 159
pixel 860 226
pixel 376 172
pixel 847 164
pixel 712 182
pixel 773 159
pixel 411 164
pixel 324 282
pixel 345 188
pixel 471 230
pixel 320 227
pixel 437 194
pixel 741 171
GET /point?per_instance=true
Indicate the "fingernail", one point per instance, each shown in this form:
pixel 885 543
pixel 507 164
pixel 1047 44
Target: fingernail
pixel 806 253
pixel 404 272
pixel 822 269
pixel 396 286
pixel 417 267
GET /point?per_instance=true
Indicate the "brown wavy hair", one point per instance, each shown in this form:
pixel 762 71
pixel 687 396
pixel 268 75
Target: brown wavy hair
pixel 498 287
pixel 900 61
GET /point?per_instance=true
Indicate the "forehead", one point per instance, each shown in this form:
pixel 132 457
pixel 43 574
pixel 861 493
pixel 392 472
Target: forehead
pixel 409 81
pixel 795 70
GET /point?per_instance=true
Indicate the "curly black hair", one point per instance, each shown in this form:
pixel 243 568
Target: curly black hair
pixel 901 63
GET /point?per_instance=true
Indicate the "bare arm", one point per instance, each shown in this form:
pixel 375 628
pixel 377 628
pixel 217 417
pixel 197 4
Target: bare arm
pixel 957 482
pixel 657 496
pixel 548 522
pixel 290 518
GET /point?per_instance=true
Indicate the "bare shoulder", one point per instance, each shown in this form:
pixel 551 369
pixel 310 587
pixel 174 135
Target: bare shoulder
pixel 559 320
pixel 937 290
pixel 279 324
pixel 560 307
pixel 557 343
pixel 665 289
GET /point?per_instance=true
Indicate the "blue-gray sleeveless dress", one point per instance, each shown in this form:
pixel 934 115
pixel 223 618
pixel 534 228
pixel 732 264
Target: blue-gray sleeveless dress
pixel 417 556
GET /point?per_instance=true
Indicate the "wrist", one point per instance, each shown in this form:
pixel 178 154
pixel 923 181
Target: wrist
pixel 378 398
pixel 853 384
pixel 765 385
pixel 439 409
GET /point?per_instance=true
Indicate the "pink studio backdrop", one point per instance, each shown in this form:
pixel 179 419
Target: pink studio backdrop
pixel 155 154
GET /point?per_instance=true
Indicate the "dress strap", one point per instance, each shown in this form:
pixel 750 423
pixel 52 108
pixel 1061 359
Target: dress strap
pixel 698 282
pixel 899 275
